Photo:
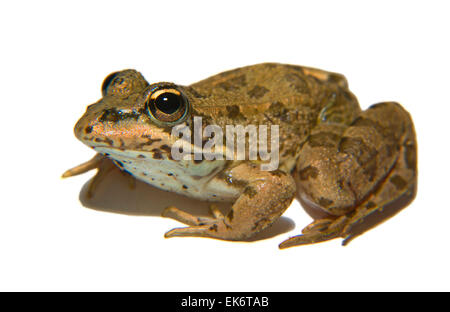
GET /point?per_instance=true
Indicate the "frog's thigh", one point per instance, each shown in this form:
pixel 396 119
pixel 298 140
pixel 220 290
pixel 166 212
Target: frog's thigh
pixel 265 195
pixel 354 178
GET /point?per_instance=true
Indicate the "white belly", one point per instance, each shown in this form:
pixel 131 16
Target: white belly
pixel 182 177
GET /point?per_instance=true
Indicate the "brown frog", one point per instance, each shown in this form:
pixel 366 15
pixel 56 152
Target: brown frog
pixel 350 169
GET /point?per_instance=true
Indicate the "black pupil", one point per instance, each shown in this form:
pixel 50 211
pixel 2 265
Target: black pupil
pixel 168 102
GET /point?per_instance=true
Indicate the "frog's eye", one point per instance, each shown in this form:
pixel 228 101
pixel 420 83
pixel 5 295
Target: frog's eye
pixel 167 105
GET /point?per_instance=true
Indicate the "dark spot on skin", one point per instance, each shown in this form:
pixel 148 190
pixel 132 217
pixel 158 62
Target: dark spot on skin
pixel 297 82
pixel 115 115
pixel 144 174
pixel 195 93
pixel 105 140
pixel 233 111
pixel 250 191
pixel 88 129
pixel 233 84
pixel 370 167
pixel 204 141
pixel 325 202
pixel 157 154
pixel 341 184
pixel 185 187
pixel 268 118
pixel 226 86
pixel 230 214
pixel 239 81
pixel 140 156
pixel 398 182
pixel 277 110
pixel 170 174
pixel 166 148
pixel 324 139
pixel 370 205
pixel 257 92
pixel 150 141
pixel 308 172
pixel 122 145
pixel 278 173
pixel 213 228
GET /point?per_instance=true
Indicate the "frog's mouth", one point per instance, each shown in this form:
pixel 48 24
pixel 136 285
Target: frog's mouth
pixel 158 152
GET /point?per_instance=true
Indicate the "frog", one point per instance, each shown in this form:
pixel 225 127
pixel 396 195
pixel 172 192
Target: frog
pixel 351 169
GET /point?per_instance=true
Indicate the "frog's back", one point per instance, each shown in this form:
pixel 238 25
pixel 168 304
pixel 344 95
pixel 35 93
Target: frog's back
pixel 293 97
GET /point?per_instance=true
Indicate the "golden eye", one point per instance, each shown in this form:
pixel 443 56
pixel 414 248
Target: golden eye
pixel 167 105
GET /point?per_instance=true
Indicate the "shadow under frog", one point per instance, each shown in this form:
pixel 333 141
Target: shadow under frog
pixel 121 193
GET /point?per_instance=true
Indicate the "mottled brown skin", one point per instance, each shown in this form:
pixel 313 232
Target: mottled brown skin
pixel 352 169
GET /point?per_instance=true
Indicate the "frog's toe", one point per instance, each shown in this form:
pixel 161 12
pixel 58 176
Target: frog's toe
pixel 214 227
pixel 193 231
pixel 318 231
pixel 187 218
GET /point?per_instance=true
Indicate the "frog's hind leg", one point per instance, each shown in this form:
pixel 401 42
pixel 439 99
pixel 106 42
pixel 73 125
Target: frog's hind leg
pixel 397 191
pixel 357 177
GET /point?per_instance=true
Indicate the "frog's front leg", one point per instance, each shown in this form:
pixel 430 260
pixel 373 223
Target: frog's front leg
pixel 264 196
pixel 103 165
pixel 353 178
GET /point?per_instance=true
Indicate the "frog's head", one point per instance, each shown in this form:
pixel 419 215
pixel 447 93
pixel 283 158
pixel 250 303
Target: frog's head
pixel 133 116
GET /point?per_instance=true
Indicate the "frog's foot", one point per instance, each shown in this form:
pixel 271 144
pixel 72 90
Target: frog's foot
pixel 318 231
pixel 264 197
pixel 198 225
pixel 379 207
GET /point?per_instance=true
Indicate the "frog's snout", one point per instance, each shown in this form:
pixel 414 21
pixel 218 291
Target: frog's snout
pixel 88 127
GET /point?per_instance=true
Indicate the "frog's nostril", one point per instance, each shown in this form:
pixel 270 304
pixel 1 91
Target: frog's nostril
pixel 88 129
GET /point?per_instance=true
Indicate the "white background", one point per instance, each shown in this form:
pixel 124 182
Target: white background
pixel 54 56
